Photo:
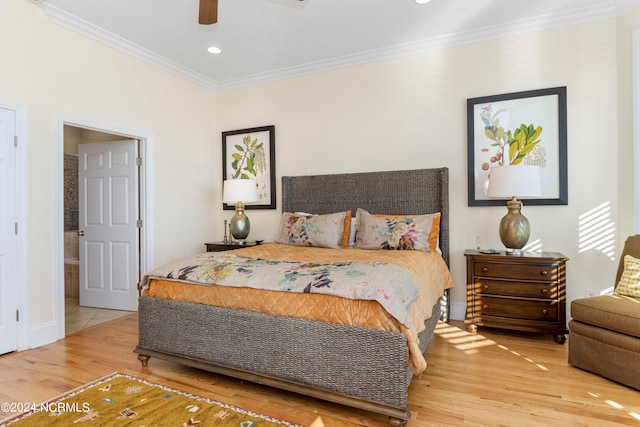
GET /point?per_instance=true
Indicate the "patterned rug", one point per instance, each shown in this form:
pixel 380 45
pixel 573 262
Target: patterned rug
pixel 123 400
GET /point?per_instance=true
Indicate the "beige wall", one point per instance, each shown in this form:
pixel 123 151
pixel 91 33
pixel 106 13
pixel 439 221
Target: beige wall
pixel 626 25
pixel 411 113
pixel 56 72
pixel 404 113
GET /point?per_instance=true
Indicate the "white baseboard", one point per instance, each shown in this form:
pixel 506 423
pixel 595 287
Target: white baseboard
pixel 458 310
pixel 43 334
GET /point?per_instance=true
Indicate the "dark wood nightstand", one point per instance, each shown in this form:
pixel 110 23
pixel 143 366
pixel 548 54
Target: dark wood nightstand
pixel 524 293
pixel 227 246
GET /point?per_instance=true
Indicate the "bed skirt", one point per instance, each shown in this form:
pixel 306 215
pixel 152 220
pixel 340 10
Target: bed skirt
pixel 359 367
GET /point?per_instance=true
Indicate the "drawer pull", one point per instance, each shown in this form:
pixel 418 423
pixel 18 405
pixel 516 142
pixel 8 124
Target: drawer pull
pixel 545 291
pixel 545 311
pixel 485 286
pixel 485 269
pixel 544 273
pixel 485 306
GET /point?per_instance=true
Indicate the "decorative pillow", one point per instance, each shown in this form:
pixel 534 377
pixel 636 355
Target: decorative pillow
pixel 346 231
pixel 629 283
pixel 352 231
pixel 324 231
pixel 434 234
pixel 393 232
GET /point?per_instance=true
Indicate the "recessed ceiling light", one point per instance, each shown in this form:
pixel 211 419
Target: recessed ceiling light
pixel 215 50
pixel 422 1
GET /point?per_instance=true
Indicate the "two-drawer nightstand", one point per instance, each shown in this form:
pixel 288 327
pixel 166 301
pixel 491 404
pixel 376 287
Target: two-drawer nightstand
pixel 524 293
pixel 227 246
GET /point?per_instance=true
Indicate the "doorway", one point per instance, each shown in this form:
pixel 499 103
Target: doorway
pixel 8 235
pixel 79 315
pixel 73 133
pixel 14 224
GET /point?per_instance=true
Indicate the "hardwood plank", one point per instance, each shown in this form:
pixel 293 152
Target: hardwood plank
pixel 490 378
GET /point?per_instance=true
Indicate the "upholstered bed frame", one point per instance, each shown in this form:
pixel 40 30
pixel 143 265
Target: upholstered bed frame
pixel 308 357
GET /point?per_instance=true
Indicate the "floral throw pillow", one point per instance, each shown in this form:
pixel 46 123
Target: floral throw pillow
pixel 434 234
pixel 629 283
pixel 325 231
pixel 393 232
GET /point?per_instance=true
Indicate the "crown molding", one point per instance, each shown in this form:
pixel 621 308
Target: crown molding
pixel 605 10
pixel 601 11
pixel 73 23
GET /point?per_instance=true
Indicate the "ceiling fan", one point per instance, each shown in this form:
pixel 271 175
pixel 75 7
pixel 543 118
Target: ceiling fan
pixel 209 12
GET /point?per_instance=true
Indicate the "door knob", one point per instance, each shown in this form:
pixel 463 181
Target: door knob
pixel 81 233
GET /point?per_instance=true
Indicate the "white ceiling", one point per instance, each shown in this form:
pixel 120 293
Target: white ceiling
pixel 264 40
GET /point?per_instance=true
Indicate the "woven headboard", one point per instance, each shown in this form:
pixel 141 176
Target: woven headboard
pixel 405 192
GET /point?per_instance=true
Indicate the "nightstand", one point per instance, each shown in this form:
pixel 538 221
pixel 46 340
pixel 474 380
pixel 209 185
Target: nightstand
pixel 524 293
pixel 227 246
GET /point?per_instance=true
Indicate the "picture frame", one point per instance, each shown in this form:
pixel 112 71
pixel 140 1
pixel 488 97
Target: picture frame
pixel 250 153
pixel 491 123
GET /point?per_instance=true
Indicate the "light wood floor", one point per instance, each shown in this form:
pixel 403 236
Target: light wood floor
pixel 493 378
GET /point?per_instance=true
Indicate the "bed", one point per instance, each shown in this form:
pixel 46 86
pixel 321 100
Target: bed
pixel 354 365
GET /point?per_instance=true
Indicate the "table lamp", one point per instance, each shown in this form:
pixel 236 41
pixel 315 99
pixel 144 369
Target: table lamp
pixel 238 192
pixel 514 181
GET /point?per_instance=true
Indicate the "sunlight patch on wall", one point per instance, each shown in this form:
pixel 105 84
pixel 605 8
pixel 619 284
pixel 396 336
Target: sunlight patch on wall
pixel 596 231
pixel 534 246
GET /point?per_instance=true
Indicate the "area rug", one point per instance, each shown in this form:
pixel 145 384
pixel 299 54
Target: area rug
pixel 123 400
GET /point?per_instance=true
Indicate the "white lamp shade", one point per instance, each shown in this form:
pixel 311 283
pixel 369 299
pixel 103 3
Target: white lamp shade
pixel 240 190
pixel 514 180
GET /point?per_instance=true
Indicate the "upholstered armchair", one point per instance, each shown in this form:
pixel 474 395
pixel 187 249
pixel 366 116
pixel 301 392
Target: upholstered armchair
pixel 605 329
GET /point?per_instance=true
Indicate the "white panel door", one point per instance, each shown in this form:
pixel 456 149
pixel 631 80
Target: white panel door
pixel 108 213
pixel 8 237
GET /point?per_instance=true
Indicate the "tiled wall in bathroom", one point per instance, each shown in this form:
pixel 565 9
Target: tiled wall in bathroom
pixel 71 265
pixel 72 280
pixel 70 192
pixel 71 245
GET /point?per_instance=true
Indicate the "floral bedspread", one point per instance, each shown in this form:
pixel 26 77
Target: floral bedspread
pixel 389 284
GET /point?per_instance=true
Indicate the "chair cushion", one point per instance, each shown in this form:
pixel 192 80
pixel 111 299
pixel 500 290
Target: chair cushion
pixel 614 312
pixel 631 247
pixel 629 283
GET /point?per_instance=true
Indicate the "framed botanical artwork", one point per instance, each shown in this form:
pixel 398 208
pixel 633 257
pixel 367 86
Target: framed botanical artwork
pixel 518 128
pixel 250 154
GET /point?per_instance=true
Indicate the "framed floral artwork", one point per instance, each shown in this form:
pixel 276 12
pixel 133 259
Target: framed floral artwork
pixel 250 154
pixel 518 128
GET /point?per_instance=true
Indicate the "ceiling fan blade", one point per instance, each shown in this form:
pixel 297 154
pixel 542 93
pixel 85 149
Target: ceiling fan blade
pixel 208 12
